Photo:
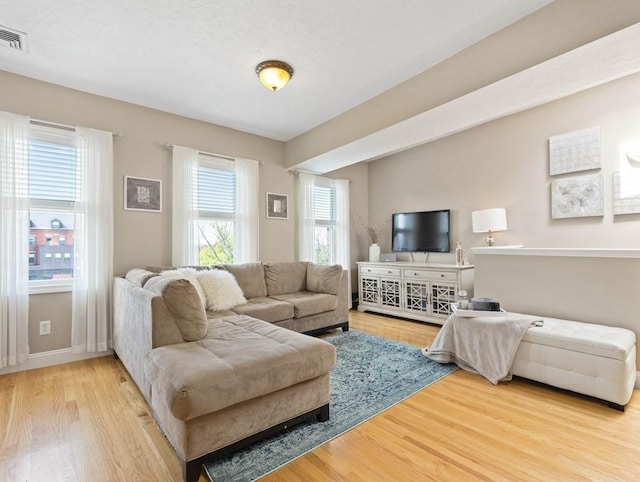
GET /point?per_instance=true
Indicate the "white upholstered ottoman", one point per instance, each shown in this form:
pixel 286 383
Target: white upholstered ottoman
pixel 595 360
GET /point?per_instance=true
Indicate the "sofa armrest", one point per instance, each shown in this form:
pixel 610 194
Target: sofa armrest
pixel 141 322
pixel 344 297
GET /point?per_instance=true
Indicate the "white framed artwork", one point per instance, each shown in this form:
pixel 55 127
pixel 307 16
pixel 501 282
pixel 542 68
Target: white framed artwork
pixel 626 193
pixel 577 197
pixel 575 151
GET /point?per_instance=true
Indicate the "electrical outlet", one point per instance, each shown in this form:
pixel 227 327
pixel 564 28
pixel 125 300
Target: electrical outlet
pixel 45 327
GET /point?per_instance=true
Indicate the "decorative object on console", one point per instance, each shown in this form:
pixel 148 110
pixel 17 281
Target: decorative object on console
pixel 374 253
pixel 274 74
pixel 459 254
pixel 488 221
pixel 575 151
pixel 576 197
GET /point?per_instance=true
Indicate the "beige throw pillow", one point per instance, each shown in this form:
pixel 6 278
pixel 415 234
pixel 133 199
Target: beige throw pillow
pixel 183 301
pixel 190 275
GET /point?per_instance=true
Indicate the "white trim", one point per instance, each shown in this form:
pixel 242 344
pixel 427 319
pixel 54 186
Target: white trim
pixel 568 252
pixel 37 287
pixel 604 60
pixel 51 358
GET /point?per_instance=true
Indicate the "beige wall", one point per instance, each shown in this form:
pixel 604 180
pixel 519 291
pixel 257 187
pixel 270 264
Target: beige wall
pixel 142 238
pixel 558 28
pixel 505 163
pixel 593 290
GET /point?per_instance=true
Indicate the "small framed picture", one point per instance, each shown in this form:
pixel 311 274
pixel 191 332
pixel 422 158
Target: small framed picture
pixel 277 206
pixel 141 194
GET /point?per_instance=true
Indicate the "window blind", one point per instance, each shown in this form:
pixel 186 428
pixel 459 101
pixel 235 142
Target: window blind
pixel 216 191
pixel 52 171
pixel 324 203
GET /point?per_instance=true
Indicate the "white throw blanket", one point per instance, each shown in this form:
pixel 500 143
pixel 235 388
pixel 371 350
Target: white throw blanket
pixel 485 345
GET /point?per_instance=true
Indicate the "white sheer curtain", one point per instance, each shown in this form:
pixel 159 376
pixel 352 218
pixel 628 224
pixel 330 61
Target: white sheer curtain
pixel 92 242
pixel 184 250
pixel 306 217
pixel 343 233
pixel 14 238
pixel 246 221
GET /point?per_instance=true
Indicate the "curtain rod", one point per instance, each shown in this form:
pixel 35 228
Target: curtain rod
pixel 212 154
pixel 65 127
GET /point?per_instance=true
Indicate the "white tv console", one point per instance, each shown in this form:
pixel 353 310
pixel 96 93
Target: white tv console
pixel 418 291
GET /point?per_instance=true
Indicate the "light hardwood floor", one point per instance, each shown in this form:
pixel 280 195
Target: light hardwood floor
pixel 86 421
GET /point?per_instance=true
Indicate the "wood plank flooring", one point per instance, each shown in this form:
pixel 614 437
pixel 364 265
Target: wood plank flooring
pixel 86 421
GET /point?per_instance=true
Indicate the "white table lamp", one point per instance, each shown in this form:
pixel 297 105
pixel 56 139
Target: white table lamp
pixel 488 221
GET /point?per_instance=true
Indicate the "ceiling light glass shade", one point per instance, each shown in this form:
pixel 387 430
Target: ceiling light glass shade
pixel 274 74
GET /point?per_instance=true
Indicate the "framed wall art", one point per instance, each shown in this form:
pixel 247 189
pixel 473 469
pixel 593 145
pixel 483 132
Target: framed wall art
pixel 574 151
pixel 277 206
pixel 142 194
pixel 576 197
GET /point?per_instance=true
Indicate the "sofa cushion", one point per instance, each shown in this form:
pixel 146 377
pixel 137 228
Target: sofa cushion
pixel 285 277
pixel 324 279
pixel 220 289
pixel 267 309
pixel 242 358
pixel 183 302
pixel 250 278
pixel 306 303
pixel 139 276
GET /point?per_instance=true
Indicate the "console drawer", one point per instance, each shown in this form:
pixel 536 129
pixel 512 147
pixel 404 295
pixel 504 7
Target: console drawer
pixel 380 271
pixel 430 275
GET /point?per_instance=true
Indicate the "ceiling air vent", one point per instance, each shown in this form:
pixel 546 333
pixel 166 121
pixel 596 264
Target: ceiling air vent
pixel 14 39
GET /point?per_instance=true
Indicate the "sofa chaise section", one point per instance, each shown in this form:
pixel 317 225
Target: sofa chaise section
pixel 246 376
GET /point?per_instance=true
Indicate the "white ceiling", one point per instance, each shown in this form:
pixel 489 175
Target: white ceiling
pixel 196 58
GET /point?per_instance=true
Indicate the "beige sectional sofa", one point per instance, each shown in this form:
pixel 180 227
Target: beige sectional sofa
pixel 217 380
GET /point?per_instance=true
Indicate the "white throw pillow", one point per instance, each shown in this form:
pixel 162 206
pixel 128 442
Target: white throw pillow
pixel 221 289
pixel 190 275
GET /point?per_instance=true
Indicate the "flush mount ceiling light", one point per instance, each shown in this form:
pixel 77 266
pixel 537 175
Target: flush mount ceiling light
pixel 274 74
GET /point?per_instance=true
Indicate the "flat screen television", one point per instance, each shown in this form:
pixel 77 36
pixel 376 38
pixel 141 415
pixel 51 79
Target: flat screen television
pixel 425 232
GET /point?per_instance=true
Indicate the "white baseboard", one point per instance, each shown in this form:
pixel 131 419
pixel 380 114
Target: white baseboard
pixel 51 358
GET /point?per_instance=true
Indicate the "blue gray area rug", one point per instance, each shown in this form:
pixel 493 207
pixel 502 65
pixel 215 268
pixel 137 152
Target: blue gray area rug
pixel 371 375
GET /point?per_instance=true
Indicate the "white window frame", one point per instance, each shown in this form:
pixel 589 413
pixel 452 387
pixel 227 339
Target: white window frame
pixel 324 183
pixel 209 162
pixel 48 134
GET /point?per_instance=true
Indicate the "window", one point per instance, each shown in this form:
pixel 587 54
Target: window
pixel 52 192
pixel 324 232
pixel 216 207
pixel 323 210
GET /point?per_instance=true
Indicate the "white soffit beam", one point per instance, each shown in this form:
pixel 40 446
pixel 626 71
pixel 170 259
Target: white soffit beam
pixel 604 60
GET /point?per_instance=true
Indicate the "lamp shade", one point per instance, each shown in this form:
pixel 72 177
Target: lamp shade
pixel 274 74
pixel 486 220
